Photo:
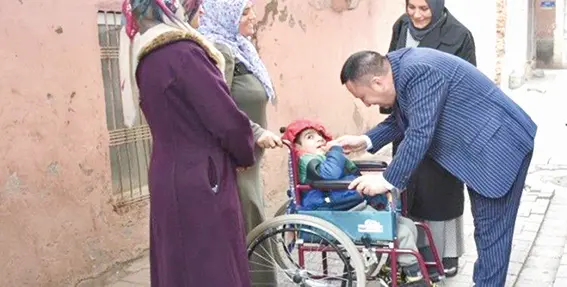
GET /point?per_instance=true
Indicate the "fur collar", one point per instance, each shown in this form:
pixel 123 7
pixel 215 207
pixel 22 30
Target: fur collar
pixel 162 35
pixel 174 36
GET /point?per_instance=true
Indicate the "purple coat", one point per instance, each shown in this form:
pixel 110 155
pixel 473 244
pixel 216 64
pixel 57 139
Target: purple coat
pixel 199 138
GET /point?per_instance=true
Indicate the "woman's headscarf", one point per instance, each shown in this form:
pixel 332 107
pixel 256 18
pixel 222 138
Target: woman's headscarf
pixel 152 18
pixel 175 13
pixel 437 8
pixel 221 24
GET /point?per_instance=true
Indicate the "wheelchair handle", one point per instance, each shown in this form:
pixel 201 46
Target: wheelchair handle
pixel 288 144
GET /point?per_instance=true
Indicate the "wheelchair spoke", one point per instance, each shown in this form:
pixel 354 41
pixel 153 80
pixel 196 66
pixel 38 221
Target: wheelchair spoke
pixel 297 262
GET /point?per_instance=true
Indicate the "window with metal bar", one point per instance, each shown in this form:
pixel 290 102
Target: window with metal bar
pixel 129 147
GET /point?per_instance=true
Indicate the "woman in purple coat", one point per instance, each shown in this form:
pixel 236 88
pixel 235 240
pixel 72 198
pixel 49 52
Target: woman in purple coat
pixel 199 136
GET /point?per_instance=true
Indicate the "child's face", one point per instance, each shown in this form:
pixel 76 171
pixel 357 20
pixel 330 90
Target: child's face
pixel 311 142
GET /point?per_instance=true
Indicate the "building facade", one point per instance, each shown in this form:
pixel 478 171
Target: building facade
pixel 73 194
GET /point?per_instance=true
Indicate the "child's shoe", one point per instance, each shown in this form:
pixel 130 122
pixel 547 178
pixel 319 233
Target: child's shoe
pixel 413 277
pixel 385 276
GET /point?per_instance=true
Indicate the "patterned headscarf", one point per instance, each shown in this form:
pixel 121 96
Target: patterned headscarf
pixel 162 11
pixel 220 24
pixel 160 16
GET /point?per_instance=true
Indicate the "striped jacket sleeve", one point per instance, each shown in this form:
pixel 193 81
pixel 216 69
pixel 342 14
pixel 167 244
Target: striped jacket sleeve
pixel 384 133
pixel 423 102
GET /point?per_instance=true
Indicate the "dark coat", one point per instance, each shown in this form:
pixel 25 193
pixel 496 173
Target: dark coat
pixel 433 193
pixel 197 235
pixel 450 37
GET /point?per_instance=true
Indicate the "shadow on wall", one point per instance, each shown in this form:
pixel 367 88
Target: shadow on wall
pixel 544 53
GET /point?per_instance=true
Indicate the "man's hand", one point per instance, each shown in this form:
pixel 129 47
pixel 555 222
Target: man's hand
pixel 352 144
pixel 370 184
pixel 269 140
pixel 331 144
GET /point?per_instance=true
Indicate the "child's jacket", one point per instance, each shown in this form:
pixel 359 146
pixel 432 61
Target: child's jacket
pixel 333 166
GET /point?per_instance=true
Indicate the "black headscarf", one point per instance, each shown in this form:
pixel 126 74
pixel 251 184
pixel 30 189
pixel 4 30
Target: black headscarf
pixel 437 8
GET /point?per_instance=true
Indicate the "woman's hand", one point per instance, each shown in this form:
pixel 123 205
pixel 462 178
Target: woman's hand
pixel 269 140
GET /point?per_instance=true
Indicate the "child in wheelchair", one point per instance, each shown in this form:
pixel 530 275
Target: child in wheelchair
pixel 320 159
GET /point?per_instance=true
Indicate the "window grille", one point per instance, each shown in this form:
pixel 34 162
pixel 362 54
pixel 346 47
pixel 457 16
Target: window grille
pixel 130 148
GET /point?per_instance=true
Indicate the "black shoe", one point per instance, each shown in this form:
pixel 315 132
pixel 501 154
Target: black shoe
pixel 451 266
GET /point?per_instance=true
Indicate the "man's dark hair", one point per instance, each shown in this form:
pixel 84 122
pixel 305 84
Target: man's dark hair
pixel 361 64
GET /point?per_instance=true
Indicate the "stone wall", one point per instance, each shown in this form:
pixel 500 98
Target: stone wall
pixel 501 17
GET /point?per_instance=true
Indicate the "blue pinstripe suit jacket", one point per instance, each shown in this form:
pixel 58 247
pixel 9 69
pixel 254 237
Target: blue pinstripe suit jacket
pixel 447 109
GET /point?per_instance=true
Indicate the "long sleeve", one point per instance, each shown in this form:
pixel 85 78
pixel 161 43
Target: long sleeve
pixel 257 130
pixel 395 35
pixel 207 92
pixel 334 164
pixel 396 29
pixel 467 51
pixel 425 99
pixel 317 167
pixel 384 133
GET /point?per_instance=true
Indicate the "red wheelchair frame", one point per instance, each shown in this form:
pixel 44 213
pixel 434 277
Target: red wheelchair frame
pixel 392 250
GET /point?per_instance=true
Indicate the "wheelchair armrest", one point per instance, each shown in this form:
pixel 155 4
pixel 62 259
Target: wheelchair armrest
pixel 330 185
pixel 370 164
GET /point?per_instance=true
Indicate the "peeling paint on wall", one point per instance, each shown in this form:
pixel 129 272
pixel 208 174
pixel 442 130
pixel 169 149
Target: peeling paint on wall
pixel 271 9
pixel 500 39
pixel 336 5
pixel 283 14
pixel 291 21
pixel 302 26
pixel 49 201
pixel 53 168
pixel 13 184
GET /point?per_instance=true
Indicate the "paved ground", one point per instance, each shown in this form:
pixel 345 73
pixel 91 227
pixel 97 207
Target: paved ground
pixel 539 255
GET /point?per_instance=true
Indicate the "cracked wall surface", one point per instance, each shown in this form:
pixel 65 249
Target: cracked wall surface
pixel 304 44
pixel 501 17
pixel 58 222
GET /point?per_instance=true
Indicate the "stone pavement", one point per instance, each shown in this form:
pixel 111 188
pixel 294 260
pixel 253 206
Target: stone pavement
pixel 539 254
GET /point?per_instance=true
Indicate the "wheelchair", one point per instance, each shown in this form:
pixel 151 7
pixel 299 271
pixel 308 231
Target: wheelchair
pixel 331 248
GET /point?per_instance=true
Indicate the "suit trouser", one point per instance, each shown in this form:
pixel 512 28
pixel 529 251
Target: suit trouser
pixel 494 220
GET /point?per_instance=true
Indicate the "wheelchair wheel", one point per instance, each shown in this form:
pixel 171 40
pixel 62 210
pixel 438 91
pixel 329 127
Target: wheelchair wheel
pixel 371 260
pixel 301 250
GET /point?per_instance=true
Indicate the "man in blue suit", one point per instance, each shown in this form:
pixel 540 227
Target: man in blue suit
pixel 446 109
